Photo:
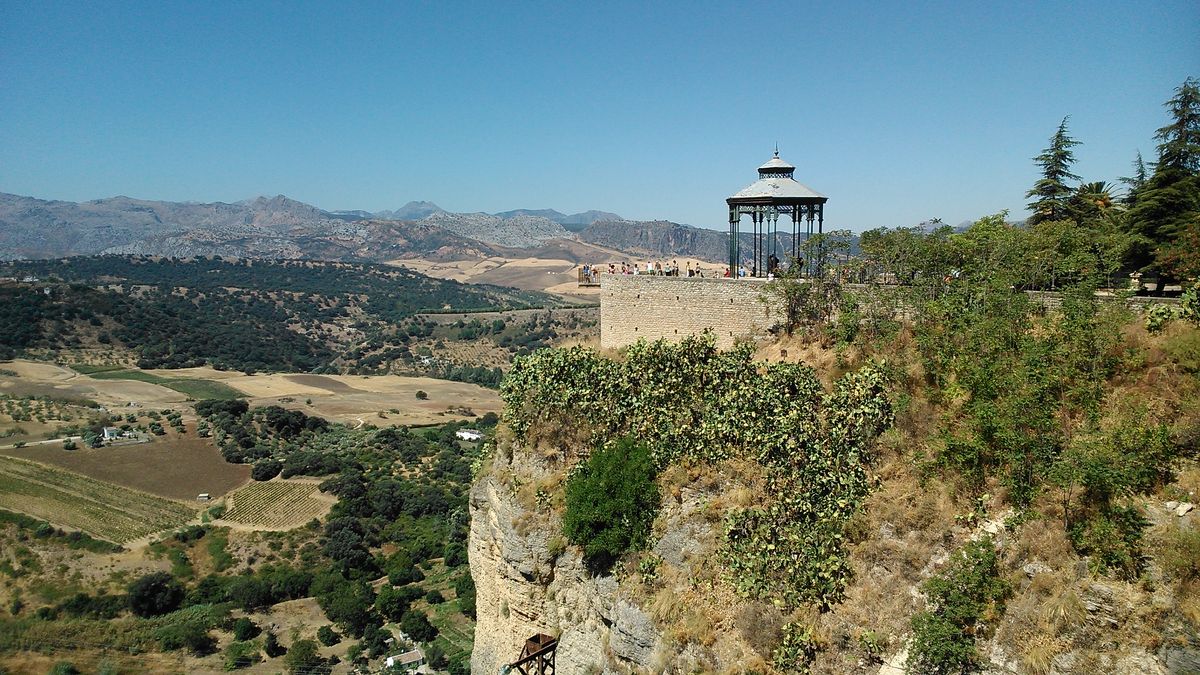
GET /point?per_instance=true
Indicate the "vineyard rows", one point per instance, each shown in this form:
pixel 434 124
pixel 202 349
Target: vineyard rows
pixel 75 501
pixel 276 504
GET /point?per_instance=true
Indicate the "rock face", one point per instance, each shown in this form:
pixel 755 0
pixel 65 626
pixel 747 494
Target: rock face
pixel 658 238
pixel 519 231
pixel 523 589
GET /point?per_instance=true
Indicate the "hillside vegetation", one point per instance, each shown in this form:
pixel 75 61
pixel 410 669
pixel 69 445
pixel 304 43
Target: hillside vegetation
pixel 380 551
pixel 1031 455
pixel 251 316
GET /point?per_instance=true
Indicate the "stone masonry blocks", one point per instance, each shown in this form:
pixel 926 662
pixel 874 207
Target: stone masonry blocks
pixel 652 307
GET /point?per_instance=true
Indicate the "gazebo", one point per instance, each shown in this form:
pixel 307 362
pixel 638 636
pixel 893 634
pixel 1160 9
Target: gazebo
pixel 775 192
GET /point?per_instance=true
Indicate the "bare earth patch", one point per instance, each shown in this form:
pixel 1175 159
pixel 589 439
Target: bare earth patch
pixel 177 468
pixel 47 379
pixel 77 502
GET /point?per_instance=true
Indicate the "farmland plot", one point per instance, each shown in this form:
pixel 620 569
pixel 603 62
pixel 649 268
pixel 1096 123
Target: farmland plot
pixel 75 501
pixel 277 505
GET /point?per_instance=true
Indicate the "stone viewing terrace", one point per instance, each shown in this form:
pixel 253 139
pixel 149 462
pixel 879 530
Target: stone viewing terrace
pixel 653 307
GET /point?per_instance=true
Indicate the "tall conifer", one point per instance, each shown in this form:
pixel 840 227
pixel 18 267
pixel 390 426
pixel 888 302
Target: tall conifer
pixel 1051 193
pixel 1166 210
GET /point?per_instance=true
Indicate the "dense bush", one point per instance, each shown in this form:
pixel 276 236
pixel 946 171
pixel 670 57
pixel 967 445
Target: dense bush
pixel 155 594
pixel 245 629
pixel 612 500
pixel 266 469
pixel 416 625
pixel 328 636
pixel 967 593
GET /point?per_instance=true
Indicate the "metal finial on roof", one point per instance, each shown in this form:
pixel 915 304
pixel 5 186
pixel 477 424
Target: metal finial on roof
pixel 776 149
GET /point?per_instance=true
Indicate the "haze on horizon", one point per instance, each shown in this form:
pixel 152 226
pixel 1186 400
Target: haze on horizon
pixel 898 113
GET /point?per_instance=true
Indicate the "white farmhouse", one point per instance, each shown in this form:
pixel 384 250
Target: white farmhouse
pixel 468 435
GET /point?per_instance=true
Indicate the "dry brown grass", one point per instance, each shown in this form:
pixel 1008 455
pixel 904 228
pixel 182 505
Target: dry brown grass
pixel 1037 658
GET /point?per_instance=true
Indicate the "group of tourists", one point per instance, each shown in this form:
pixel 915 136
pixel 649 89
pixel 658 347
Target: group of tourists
pixel 660 268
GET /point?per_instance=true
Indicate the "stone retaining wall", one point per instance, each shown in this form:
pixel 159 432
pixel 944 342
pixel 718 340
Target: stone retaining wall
pixel 644 306
pixel 652 307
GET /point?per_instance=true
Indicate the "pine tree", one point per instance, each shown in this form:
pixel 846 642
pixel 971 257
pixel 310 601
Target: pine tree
pixel 1167 207
pixel 1051 193
pixel 1135 182
pixel 1180 146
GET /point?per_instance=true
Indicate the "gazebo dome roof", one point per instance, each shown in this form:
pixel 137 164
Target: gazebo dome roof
pixel 775 164
pixel 775 182
pixel 778 187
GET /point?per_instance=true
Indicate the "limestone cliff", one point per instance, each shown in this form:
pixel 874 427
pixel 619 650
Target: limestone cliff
pixel 528 581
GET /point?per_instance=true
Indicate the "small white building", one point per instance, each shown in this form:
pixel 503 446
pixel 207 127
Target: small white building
pixel 468 435
pixel 407 661
pixel 113 433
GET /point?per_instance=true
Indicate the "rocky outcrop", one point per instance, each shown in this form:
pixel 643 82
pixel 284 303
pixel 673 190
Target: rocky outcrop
pixel 519 231
pixel 523 588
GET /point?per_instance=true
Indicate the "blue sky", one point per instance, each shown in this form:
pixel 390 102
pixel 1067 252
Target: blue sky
pixel 899 112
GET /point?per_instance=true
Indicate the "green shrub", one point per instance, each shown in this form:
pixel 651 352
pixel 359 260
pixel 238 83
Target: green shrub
pixel 192 635
pixel 328 636
pixel 266 469
pixel 1158 316
pixel 797 649
pixel 966 593
pixel 1113 539
pixel 612 500
pixel 245 629
pixel 241 655
pixel 155 594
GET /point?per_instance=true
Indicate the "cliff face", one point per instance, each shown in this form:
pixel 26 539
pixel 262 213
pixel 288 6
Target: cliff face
pixel 522 589
pixel 640 618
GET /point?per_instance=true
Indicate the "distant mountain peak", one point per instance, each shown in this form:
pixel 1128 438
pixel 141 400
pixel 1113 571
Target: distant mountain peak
pixel 411 211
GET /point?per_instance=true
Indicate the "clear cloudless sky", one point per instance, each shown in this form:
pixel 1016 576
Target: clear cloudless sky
pixel 898 111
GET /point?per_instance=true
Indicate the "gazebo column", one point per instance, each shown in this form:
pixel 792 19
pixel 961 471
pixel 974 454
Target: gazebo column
pixel 821 230
pixel 735 226
pixel 795 209
pixel 756 267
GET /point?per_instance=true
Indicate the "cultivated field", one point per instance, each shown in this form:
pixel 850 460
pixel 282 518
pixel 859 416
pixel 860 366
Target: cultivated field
pixel 74 501
pixel 171 466
pixel 47 379
pixel 354 399
pixel 350 399
pixel 277 505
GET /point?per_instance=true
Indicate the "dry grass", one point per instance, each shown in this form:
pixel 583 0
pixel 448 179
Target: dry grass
pixel 173 466
pixel 1038 656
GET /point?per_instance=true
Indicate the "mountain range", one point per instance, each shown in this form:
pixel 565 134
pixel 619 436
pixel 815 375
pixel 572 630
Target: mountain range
pixel 279 227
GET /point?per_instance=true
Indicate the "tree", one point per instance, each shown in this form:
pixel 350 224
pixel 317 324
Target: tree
pixel 328 636
pixel 1051 192
pixel 1179 149
pixel 155 594
pixel 1168 204
pixel 416 625
pixel 271 645
pixel 1091 201
pixel 245 629
pixel 611 502
pixel 1135 182
pixel 303 657
pixel 266 469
